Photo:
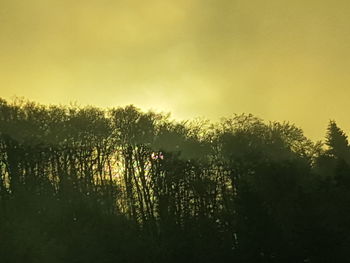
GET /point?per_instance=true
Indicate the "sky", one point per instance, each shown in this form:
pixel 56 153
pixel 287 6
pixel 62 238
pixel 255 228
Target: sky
pixel 277 59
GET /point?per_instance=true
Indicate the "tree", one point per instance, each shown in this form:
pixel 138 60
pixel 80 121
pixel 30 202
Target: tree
pixel 337 141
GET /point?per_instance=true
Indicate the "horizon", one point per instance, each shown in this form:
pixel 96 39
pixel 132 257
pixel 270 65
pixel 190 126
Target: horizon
pixel 17 100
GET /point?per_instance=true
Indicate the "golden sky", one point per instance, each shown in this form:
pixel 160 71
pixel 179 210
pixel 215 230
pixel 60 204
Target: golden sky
pixel 278 59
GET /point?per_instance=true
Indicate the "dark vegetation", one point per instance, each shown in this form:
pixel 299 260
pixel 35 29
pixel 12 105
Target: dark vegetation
pixel 91 185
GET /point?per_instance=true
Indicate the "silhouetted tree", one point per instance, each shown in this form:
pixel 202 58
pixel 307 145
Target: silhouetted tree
pixel 82 184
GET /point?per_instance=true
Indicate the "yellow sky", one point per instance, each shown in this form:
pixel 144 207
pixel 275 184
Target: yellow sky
pixel 278 59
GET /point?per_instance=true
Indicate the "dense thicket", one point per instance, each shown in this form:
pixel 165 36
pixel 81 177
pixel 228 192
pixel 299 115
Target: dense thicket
pixel 120 185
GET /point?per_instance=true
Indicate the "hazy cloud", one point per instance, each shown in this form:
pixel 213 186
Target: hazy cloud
pixel 284 60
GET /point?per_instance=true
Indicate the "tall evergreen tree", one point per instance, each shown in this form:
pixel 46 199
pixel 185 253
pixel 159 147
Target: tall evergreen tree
pixel 337 141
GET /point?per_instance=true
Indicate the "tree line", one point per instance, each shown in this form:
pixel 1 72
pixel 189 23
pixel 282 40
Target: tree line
pixel 84 184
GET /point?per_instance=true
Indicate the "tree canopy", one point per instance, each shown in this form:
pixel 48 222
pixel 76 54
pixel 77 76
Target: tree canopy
pixel 84 184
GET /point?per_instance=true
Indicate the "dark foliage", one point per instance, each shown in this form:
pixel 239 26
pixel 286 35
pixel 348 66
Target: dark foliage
pixel 89 185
